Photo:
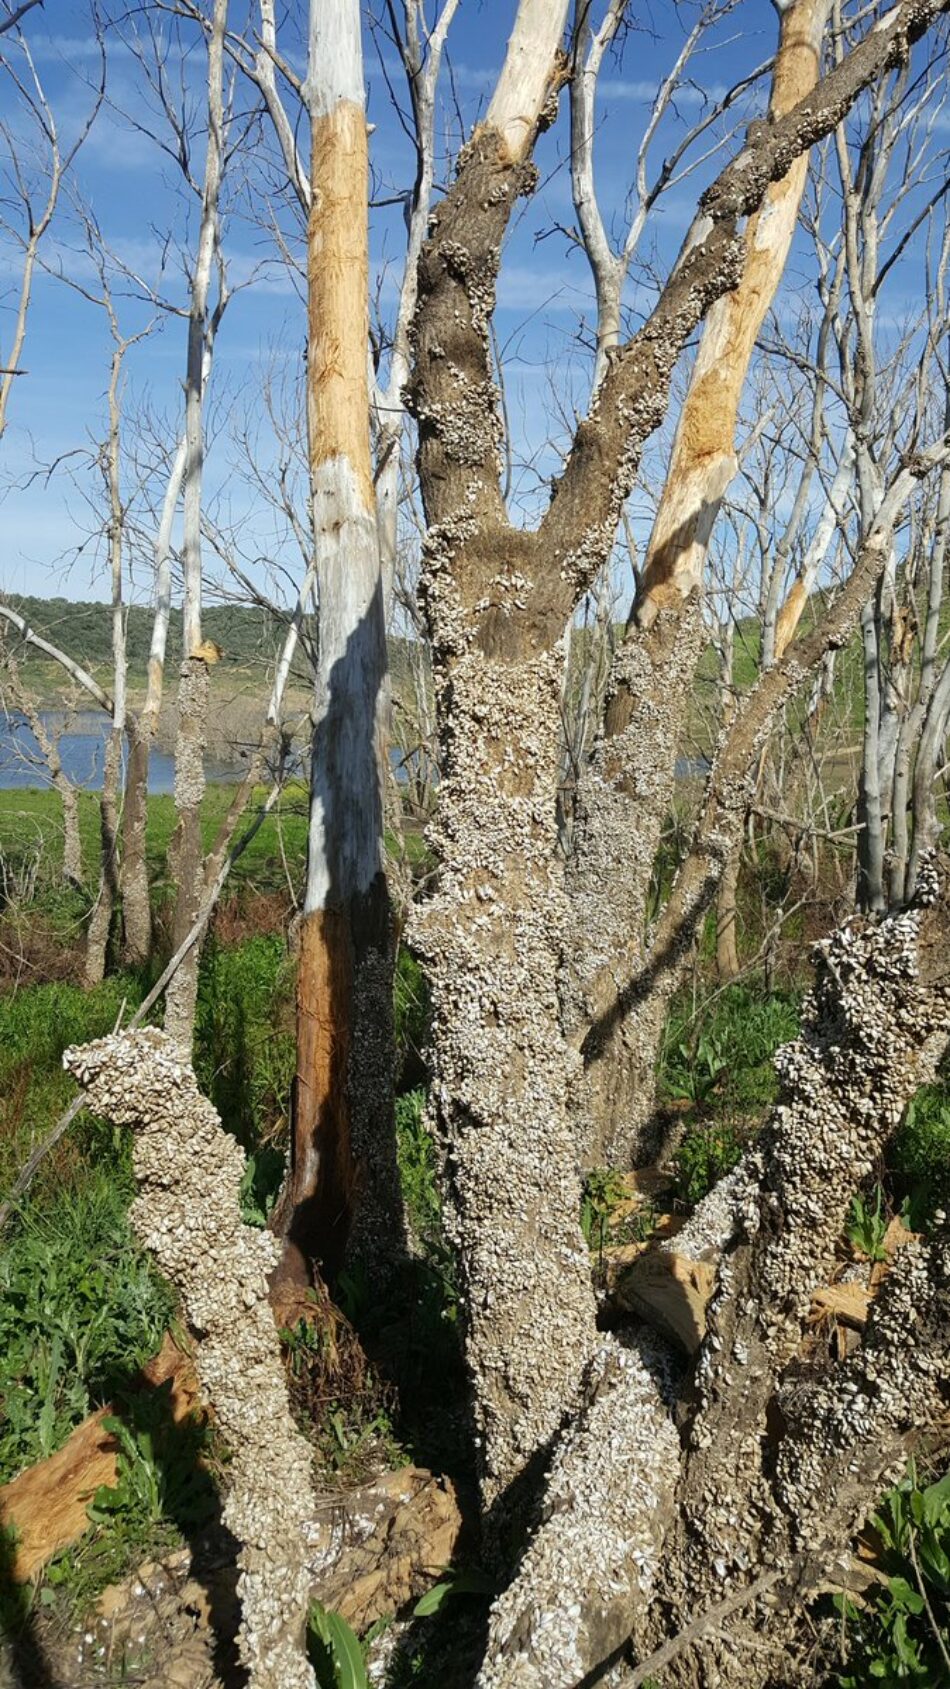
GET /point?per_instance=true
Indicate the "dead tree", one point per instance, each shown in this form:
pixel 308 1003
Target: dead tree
pixel 500 923
pixel 35 168
pixel 628 787
pixel 189 1171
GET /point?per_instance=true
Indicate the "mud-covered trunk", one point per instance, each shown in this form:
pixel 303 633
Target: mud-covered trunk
pixel 492 937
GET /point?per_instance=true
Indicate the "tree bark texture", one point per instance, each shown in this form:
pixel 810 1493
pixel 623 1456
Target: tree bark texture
pixel 627 793
pixel 772 1463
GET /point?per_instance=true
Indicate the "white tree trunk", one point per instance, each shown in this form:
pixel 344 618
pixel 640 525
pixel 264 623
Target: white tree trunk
pixel 343 1087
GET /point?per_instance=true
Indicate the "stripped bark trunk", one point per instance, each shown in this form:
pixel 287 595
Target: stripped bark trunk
pixel 342 1156
pixel 627 791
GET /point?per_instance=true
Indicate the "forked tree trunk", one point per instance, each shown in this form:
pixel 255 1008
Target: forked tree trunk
pixel 497 929
pixel 342 1106
pixel 683 1480
pixel 627 793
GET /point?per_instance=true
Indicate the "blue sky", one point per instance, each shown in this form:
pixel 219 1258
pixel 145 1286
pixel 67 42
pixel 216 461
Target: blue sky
pixel 544 299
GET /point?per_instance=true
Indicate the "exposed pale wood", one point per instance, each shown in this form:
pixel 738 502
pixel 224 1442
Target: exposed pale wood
pixel 525 81
pixel 671 1293
pixel 703 461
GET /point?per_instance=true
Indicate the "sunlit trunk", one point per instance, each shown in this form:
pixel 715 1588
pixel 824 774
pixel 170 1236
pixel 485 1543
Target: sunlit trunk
pixel 342 1107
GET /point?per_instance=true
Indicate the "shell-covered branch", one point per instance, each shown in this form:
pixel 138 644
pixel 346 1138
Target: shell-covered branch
pixel 188 1171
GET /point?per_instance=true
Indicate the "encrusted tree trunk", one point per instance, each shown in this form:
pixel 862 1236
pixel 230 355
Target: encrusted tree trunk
pixel 497 929
pixel 627 792
pixel 774 1465
pixel 343 1086
pixel 187 1212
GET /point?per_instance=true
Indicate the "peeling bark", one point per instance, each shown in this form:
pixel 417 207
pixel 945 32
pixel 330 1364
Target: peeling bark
pixel 189 1171
pixel 343 1144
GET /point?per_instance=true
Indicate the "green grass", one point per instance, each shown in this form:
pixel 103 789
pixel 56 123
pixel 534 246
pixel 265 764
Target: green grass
pixel 724 1048
pixel 920 1153
pixel 81 1310
pixel 244 1036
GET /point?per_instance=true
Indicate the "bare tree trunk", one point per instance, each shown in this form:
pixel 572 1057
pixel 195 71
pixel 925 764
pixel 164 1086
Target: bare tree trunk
pixel 187 851
pixel 109 890
pixel 68 794
pixel 136 899
pixel 343 1085
pixel 100 921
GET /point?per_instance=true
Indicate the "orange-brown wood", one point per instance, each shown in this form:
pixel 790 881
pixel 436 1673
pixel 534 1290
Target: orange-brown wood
pixel 47 1504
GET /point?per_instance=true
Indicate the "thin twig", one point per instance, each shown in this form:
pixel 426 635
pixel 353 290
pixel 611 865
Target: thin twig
pixel 707 1621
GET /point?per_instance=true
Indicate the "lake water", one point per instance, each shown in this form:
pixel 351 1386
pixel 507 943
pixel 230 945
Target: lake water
pixel 82 752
